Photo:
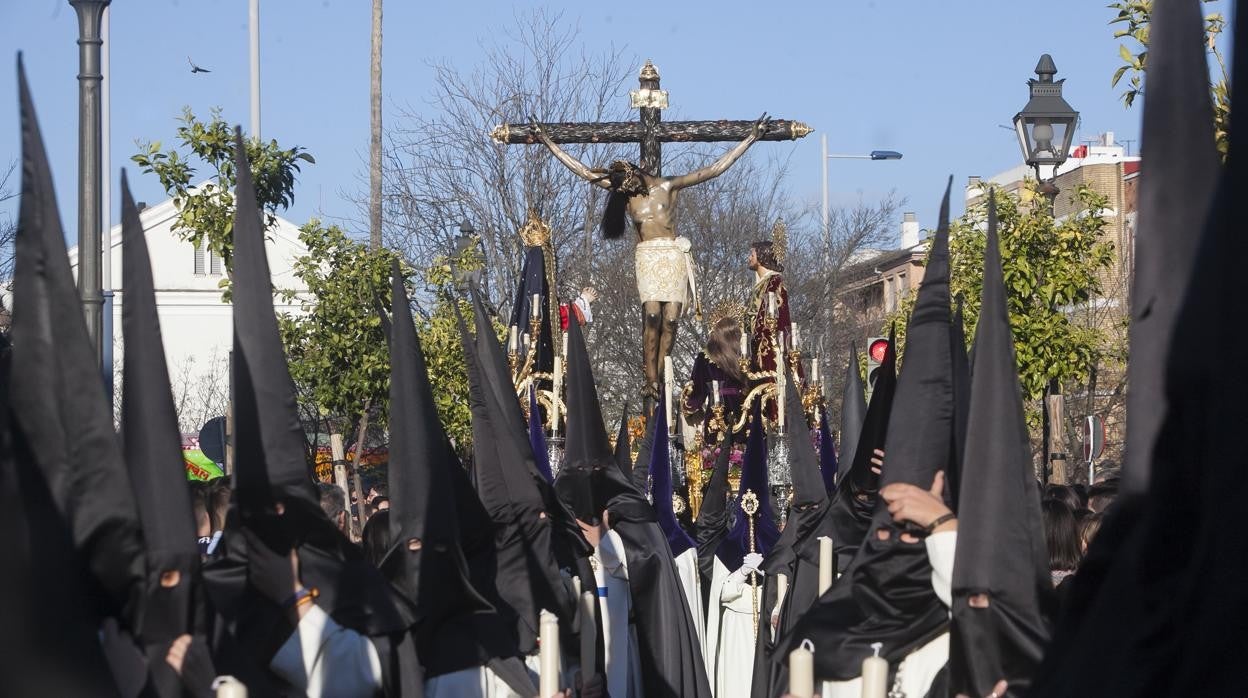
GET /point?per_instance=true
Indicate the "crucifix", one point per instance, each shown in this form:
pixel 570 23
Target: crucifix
pixel 643 195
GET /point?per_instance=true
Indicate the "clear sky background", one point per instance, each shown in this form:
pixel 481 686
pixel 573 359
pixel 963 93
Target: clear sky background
pixel 932 79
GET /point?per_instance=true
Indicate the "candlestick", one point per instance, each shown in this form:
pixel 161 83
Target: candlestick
pixel 825 564
pixel 554 398
pixel 802 672
pixel 715 391
pixel 589 634
pixel 512 338
pixel 549 644
pixel 536 306
pixel 667 399
pixel 874 674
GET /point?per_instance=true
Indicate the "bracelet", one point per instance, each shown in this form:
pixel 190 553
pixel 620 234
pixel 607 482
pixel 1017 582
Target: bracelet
pixel 303 596
pixel 940 520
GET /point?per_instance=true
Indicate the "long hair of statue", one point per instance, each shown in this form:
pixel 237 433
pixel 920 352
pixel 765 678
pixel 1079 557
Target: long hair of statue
pixel 615 217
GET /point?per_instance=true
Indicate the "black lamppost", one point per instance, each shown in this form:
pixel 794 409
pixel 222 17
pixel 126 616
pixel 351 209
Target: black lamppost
pixel 90 204
pixel 1046 126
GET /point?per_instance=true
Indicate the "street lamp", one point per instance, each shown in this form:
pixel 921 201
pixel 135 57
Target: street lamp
pixel 873 155
pixel 1046 126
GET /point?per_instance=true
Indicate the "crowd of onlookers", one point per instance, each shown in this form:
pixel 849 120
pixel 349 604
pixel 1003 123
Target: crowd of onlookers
pixel 1072 517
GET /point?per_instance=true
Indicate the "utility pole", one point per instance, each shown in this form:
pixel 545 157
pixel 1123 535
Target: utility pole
pixel 374 138
pixel 106 198
pixel 253 24
pixel 90 248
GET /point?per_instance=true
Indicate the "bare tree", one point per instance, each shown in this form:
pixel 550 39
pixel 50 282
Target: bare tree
pixel 8 226
pixel 201 390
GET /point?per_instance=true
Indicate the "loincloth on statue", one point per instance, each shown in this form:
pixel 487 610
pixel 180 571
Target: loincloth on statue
pixel 665 271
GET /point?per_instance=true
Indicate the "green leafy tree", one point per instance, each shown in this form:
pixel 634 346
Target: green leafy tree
pixel 337 351
pixel 1051 268
pixel 1135 18
pixel 206 209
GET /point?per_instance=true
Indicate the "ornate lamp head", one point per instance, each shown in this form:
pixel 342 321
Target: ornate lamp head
pixel 780 240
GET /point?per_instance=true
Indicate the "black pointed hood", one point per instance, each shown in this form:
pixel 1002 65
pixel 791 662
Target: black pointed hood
pixel 808 485
pixel 1156 608
pixel 661 492
pixel 853 406
pixel 1176 188
pixel 57 395
pixel 268 436
pixel 961 404
pixel 1001 546
pixel 858 486
pixel 623 448
pixel 270 466
pixel 149 427
pixel 711 525
pixel 527 576
pixel 828 462
pixel 434 577
pixel 61 571
pixel 886 594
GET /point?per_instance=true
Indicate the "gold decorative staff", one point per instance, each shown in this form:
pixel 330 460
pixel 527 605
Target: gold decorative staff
pixel 749 504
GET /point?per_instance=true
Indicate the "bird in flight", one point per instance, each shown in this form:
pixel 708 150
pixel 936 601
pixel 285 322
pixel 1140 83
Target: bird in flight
pixel 195 68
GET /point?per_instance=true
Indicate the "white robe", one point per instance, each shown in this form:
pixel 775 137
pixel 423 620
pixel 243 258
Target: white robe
pixel 473 682
pixel 691 584
pixel 322 658
pixel 730 644
pixel 623 661
pixel 920 667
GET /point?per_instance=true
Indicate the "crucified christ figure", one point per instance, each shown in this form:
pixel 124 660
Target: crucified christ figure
pixel 664 265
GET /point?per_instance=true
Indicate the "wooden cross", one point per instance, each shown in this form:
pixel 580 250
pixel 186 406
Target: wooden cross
pixel 651 131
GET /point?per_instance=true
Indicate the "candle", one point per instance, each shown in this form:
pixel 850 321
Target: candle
pixel 771 303
pixel 525 338
pixel 513 338
pixel 549 644
pixel 576 585
pixel 715 391
pixel 228 687
pixel 589 631
pixel 780 345
pixel 826 563
pixel 875 674
pixel 536 306
pixel 565 343
pixel 745 345
pixel 782 588
pixel 667 393
pixel 796 341
pixel 554 398
pixel 802 672
pixel 814 370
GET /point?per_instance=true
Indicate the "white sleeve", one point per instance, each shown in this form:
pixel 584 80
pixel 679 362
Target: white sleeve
pixel 322 658
pixel 733 588
pixel 940 551
pixel 585 311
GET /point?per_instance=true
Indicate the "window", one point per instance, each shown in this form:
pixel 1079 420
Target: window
pixel 214 264
pixel 199 260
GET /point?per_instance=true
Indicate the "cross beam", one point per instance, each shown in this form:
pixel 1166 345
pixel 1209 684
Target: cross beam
pixel 650 131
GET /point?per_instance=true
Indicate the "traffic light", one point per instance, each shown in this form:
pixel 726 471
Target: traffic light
pixel 877 348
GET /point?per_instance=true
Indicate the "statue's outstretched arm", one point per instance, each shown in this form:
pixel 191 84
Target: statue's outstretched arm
pixel 578 168
pixel 721 165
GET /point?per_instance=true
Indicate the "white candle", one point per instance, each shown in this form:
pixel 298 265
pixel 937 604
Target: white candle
pixel 875 674
pixel 513 337
pixel 814 370
pixel 667 399
pixel 536 306
pixel 525 338
pixel 229 687
pixel 549 644
pixel 745 345
pixel 715 391
pixel 565 343
pixel 802 672
pixel 554 399
pixel 796 341
pixel 826 563
pixel 589 648
pixel 780 352
pixel 771 302
pixel 782 588
pixel 576 585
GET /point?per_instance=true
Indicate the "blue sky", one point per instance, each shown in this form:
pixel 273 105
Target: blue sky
pixel 930 79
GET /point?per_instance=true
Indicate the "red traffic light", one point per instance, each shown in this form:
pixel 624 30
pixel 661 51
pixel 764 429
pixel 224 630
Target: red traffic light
pixel 877 350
